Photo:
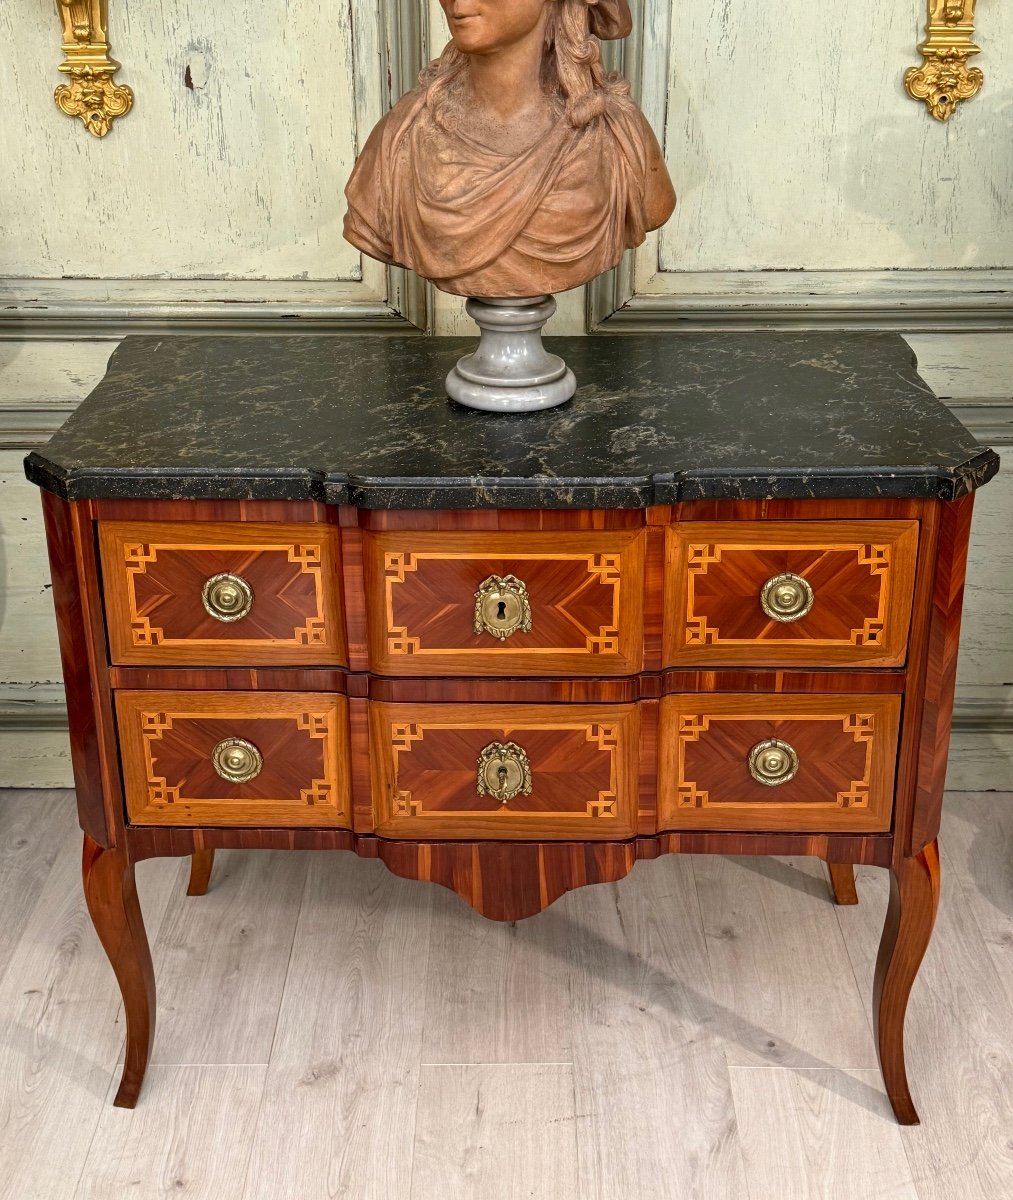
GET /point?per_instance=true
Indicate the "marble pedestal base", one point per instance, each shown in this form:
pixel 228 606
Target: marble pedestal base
pixel 511 371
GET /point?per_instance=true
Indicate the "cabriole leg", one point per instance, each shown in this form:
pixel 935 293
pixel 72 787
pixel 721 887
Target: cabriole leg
pixel 111 894
pixel 914 899
pixel 201 864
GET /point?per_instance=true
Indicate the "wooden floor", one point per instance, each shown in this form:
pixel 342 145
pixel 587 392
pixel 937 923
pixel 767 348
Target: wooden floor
pixel 327 1030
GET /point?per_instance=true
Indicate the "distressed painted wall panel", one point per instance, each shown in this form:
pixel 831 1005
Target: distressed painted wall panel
pixel 793 144
pixel 29 652
pixel 986 644
pixel 232 163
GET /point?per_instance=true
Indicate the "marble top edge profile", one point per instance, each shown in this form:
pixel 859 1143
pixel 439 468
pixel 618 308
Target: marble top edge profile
pixel 657 419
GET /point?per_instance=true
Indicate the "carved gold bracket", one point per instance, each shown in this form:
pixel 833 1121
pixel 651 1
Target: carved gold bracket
pixel 91 93
pixel 944 79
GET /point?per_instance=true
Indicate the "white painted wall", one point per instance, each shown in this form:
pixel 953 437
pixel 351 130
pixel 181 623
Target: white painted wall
pixel 795 145
pixel 238 176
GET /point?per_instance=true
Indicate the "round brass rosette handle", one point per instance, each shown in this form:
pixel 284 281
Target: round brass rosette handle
pixel 502 607
pixel 772 762
pixel 227 597
pixel 786 597
pixel 237 760
pixel 503 771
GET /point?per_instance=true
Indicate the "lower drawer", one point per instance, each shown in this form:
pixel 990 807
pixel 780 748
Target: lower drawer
pixel 754 762
pixel 511 771
pixel 235 758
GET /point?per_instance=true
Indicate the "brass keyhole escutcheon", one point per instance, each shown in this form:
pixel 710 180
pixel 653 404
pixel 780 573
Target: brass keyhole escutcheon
pixel 786 597
pixel 237 760
pixel 504 771
pixel 773 762
pixel 502 607
pixel 227 597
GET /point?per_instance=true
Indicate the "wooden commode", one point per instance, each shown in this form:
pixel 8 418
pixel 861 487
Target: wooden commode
pixel 712 606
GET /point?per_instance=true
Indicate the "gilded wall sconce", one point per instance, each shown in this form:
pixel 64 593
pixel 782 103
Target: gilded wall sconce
pixel 944 79
pixel 91 93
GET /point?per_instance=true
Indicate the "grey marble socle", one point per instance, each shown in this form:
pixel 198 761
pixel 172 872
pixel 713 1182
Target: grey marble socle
pixel 364 420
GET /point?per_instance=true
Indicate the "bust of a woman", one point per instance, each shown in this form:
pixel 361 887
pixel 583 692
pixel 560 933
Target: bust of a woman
pixel 517 167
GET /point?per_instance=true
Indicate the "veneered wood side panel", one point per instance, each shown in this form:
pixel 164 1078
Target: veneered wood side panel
pixel 942 645
pixel 861 574
pixel 583 764
pixel 586 596
pixel 167 739
pixel 154 573
pixel 73 561
pixel 846 748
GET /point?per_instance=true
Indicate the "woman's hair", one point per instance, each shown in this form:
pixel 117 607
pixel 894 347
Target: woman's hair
pixel 572 66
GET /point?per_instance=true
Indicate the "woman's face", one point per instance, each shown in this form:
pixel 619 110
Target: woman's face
pixel 484 26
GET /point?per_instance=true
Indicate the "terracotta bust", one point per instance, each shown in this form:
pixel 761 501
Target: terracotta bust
pixel 518 166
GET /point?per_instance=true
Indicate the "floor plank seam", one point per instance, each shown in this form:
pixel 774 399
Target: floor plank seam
pixel 534 1062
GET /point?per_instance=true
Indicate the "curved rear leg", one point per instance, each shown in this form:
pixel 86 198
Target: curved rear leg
pixel 201 864
pixel 111 894
pixel 842 883
pixel 910 916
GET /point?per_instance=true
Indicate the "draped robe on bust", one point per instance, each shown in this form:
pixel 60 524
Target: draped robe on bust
pixel 477 222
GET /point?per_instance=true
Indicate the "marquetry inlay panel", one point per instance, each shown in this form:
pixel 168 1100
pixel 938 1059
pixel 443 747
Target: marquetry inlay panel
pixel 846 748
pixel 155 574
pixel 585 594
pixel 583 764
pixel 168 741
pixel 861 574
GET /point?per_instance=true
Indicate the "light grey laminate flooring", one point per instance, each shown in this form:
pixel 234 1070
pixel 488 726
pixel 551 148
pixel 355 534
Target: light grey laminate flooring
pixel 328 1030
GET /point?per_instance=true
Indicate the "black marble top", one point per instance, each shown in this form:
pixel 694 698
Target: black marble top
pixel 659 418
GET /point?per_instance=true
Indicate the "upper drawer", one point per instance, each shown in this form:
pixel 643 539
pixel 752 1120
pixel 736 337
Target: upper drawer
pixel 789 593
pixel 205 594
pixel 501 603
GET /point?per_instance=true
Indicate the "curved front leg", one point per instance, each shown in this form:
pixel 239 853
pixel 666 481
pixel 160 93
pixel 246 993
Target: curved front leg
pixel 910 916
pixel 111 894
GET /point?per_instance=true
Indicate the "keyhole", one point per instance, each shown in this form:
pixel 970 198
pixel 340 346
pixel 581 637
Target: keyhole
pixel 501 611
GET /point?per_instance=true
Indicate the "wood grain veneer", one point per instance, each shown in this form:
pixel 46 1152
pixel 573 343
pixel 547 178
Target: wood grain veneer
pixel 586 594
pixel 154 573
pixel 583 766
pixel 77 595
pixel 167 739
pixel 846 747
pixel 861 573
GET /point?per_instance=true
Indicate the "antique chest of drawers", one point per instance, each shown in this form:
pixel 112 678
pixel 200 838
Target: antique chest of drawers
pixel 712 606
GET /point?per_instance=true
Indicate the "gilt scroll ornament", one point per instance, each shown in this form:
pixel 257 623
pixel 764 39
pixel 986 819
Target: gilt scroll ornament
pixel 91 93
pixel 944 79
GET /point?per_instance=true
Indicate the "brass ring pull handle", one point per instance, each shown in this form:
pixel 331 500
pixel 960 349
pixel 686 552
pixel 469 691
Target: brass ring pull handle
pixel 772 762
pixel 503 771
pixel 786 597
pixel 236 760
pixel 501 607
pixel 227 597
